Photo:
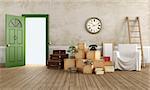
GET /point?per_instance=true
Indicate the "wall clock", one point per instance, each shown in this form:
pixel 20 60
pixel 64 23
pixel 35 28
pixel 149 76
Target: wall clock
pixel 93 25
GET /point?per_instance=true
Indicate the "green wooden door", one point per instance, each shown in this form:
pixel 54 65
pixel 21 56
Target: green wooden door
pixel 15 55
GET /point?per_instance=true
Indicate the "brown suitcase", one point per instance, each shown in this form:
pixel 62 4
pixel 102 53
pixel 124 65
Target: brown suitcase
pixel 59 51
pixel 56 60
pixel 55 64
pixel 58 56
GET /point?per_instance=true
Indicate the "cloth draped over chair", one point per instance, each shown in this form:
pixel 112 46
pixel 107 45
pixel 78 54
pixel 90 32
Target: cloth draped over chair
pixel 127 57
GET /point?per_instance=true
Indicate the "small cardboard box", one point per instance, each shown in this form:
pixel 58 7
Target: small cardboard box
pixel 99 69
pixel 69 63
pixel 109 68
pixel 93 55
pixel 99 72
pixel 108 63
pixel 81 45
pixel 97 55
pixel 80 65
pixel 80 54
pixel 90 55
pixel 88 69
pixel 98 64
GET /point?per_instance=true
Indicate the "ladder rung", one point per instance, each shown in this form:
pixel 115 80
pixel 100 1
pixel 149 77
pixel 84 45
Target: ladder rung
pixel 135 42
pixel 135 37
pixel 132 20
pixel 134 31
pixel 134 26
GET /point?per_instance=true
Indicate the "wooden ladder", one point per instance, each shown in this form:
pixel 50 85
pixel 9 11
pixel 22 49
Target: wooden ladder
pixel 135 37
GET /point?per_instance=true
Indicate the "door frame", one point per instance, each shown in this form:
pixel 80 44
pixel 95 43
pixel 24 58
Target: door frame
pixel 47 30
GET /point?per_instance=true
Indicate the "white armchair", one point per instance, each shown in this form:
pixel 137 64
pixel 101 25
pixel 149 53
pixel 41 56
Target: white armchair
pixel 127 57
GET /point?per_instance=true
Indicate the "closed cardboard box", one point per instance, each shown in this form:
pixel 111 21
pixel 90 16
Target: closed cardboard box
pixel 90 55
pixel 88 69
pixel 98 63
pixel 80 65
pixel 81 45
pixel 108 63
pixel 68 63
pixel 80 54
pixel 109 68
pixel 99 72
pixel 93 55
pixel 97 55
pixel 99 69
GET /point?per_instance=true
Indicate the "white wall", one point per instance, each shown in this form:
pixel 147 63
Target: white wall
pixel 67 18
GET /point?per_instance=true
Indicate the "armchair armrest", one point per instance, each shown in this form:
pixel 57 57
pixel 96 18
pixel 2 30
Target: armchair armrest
pixel 138 61
pixel 116 54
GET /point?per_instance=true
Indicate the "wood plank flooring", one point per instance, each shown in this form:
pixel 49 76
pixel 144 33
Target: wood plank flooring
pixel 37 77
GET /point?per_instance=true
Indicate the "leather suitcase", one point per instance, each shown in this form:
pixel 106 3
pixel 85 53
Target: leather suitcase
pixel 56 60
pixel 59 51
pixel 55 64
pixel 58 56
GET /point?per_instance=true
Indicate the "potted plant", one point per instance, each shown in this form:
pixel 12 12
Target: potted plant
pixel 71 51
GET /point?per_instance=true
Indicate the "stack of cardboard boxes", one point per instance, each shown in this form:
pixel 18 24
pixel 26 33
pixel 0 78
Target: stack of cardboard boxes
pixel 98 65
pixel 80 56
pixel 103 66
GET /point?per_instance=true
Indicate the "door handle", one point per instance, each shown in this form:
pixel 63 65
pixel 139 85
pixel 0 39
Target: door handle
pixel 7 45
pixel 49 43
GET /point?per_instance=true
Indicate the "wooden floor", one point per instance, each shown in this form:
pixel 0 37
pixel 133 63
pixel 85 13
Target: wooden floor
pixel 32 77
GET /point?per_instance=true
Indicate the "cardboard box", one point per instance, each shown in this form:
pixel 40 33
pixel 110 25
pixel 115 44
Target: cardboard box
pixel 99 72
pixel 80 54
pixel 88 69
pixel 109 68
pixel 99 69
pixel 97 55
pixel 81 45
pixel 90 55
pixel 108 63
pixel 93 55
pixel 68 63
pixel 98 64
pixel 80 65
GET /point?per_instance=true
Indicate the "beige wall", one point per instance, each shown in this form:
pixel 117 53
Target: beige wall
pixel 67 18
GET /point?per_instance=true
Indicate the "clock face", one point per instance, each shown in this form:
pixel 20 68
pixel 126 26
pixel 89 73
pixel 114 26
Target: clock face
pixel 93 25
